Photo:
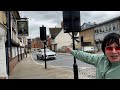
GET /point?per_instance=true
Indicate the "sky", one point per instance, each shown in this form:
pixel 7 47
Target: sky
pixel 51 19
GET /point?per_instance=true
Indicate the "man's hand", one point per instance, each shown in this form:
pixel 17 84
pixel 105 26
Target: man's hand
pixel 68 49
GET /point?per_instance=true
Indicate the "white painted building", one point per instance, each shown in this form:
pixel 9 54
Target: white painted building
pixel 3 33
pixel 59 38
pixel 16 44
pixel 63 39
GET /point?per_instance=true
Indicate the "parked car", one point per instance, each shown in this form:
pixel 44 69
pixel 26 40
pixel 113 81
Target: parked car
pixel 49 54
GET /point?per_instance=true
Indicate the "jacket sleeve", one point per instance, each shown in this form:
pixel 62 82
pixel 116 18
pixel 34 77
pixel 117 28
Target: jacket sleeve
pixel 93 59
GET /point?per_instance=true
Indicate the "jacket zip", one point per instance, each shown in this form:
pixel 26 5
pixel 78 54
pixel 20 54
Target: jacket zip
pixel 107 70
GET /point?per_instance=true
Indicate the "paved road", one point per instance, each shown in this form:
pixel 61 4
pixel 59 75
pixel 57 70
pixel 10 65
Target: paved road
pixel 63 60
pixel 66 61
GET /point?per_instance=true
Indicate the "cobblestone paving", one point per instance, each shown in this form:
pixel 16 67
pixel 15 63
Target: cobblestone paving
pixel 88 73
pixel 84 73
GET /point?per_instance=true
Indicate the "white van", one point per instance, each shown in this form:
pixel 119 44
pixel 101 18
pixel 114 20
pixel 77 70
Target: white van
pixel 88 48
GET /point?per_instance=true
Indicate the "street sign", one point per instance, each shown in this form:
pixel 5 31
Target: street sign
pixel 22 27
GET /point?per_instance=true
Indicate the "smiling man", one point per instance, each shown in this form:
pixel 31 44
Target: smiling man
pixel 107 64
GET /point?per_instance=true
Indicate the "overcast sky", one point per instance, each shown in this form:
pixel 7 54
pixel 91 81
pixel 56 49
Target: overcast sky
pixel 53 18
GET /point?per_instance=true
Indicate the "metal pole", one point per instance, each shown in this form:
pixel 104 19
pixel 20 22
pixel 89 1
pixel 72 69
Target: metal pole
pixel 45 53
pixel 75 67
pixel 8 40
pixel 18 52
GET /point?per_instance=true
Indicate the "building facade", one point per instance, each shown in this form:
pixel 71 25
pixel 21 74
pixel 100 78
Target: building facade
pixel 11 46
pixel 3 33
pixel 87 35
pixel 36 43
pixel 102 29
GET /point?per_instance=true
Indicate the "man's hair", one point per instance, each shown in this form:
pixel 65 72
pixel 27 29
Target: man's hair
pixel 110 39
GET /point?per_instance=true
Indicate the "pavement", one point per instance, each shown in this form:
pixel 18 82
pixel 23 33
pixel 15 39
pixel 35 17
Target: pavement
pixel 28 68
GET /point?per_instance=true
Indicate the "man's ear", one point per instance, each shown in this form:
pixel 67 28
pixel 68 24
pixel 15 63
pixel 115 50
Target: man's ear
pixel 119 41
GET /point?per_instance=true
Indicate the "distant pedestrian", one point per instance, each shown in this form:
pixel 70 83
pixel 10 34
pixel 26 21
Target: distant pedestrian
pixel 26 52
pixel 107 64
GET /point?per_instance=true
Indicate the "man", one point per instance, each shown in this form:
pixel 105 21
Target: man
pixel 107 64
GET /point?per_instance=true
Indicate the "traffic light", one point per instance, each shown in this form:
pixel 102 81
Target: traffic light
pixel 43 33
pixel 71 21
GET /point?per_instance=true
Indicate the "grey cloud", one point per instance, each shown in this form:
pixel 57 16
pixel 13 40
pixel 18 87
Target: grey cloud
pixel 98 16
pixel 54 18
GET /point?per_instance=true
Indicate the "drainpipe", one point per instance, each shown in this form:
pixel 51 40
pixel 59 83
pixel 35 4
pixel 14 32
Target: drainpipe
pixel 8 40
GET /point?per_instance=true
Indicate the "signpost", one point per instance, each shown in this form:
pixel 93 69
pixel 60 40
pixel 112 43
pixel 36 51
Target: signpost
pixel 22 27
pixel 43 37
pixel 71 23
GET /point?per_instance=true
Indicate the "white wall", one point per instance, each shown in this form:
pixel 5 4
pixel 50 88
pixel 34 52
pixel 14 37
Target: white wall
pixel 14 52
pixel 3 71
pixel 63 39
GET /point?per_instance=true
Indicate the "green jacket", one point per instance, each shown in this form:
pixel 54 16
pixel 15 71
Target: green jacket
pixel 104 69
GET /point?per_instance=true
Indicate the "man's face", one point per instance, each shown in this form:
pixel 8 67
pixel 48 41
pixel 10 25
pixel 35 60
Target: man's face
pixel 113 52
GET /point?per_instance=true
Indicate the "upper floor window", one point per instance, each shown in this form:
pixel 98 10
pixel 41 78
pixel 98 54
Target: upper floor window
pixel 13 22
pixel 103 29
pixel 114 26
pixel 118 25
pixel 100 30
pixel 109 27
pixel 97 30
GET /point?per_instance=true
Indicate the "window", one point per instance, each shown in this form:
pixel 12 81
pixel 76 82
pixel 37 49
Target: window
pixel 96 31
pixel 117 25
pixel 113 26
pixel 100 30
pixel 109 27
pixel 13 22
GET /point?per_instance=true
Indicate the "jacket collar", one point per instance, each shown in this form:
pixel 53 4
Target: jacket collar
pixel 113 63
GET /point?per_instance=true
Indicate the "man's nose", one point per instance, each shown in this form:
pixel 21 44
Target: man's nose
pixel 114 51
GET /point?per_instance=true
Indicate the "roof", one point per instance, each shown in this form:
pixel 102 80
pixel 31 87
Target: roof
pixel 54 32
pixel 110 20
pixel 17 15
pixel 91 26
pixel 87 26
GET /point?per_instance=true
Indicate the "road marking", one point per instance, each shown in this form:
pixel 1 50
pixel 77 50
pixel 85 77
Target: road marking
pixel 58 66
pixel 71 67
pixel 35 61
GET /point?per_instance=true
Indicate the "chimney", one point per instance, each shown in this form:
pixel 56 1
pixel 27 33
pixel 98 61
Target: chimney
pixel 61 24
pixel 94 23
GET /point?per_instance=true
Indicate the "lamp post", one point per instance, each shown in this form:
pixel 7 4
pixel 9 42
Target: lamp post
pixel 71 23
pixel 45 53
pixel 75 66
